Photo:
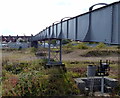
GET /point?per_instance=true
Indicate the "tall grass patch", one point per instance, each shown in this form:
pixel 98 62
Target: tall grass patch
pixel 81 46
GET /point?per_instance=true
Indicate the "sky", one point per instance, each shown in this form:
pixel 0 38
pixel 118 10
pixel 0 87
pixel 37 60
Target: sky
pixel 26 17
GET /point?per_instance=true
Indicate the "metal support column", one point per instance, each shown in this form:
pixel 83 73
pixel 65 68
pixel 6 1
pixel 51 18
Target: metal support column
pixel 119 41
pixel 49 51
pixel 60 51
pixel 44 44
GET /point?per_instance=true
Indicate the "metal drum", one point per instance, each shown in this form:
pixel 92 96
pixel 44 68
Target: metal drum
pixel 91 70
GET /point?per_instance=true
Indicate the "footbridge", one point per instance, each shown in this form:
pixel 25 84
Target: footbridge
pixel 99 25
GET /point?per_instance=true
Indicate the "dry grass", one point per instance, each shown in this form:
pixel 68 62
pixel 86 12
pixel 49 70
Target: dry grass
pixel 17 56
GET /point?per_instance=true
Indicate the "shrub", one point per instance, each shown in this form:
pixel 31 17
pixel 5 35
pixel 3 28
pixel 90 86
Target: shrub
pixel 50 82
pixel 101 45
pixel 15 68
pixel 66 41
pixel 68 48
pixel 82 46
pixel 118 47
pixel 69 45
pixel 116 90
pixel 38 64
pixel 33 49
pixel 98 53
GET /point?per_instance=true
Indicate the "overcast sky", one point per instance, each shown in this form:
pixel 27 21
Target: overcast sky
pixel 26 17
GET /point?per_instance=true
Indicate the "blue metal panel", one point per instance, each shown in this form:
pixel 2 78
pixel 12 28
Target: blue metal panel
pixel 39 35
pixel 101 25
pixel 58 30
pixel 64 29
pixel 119 23
pixel 83 26
pixel 114 34
pixel 51 32
pixel 47 32
pixel 100 29
pixel 43 34
pixel 71 33
pixel 55 31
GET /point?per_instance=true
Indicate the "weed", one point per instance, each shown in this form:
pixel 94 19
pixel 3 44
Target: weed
pixel 101 45
pixel 81 46
pixel 33 49
pixel 49 82
pixel 15 68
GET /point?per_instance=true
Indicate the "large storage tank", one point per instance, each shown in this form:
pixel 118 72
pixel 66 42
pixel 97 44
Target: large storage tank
pixel 91 70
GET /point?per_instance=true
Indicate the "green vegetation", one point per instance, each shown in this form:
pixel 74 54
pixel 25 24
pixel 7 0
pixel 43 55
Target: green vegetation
pixel 33 80
pixel 98 53
pixel 33 50
pixel 117 90
pixel 29 78
pixel 68 48
pixel 66 41
pixel 101 45
pixel 24 75
pixel 81 46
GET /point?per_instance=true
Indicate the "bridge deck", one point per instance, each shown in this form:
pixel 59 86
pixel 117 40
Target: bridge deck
pixel 100 25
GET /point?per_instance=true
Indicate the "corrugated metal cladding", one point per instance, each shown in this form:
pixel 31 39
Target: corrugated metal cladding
pixel 101 25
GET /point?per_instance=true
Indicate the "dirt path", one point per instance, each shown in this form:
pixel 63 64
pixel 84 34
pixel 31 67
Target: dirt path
pixel 72 56
pixel 76 56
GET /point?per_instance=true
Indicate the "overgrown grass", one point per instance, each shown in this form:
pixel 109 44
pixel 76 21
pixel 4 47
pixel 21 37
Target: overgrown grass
pixel 101 45
pixel 81 46
pixel 49 82
pixel 0 86
pixel 68 48
pixel 29 78
pixel 101 52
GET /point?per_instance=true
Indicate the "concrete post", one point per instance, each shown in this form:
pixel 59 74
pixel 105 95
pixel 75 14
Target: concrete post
pixel 102 85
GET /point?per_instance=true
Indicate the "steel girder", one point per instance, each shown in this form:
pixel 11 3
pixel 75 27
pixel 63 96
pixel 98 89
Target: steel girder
pixel 100 25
